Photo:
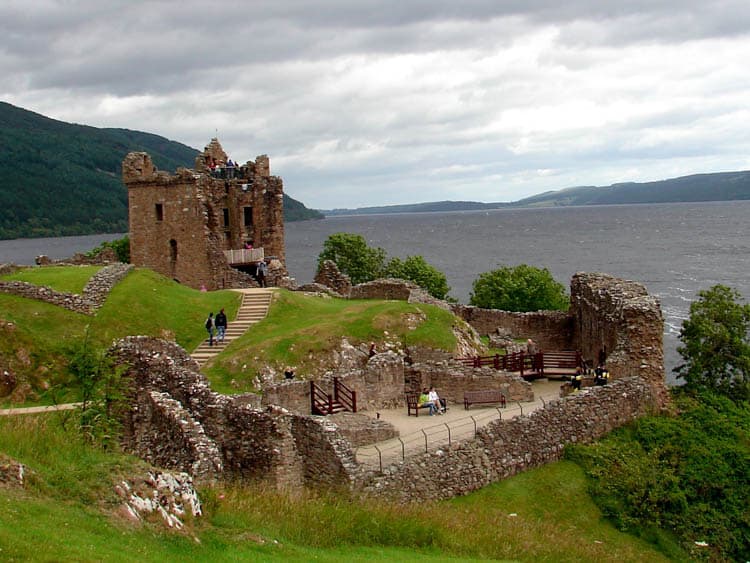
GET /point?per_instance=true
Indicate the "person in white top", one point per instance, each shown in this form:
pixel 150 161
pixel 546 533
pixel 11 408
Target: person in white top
pixel 435 399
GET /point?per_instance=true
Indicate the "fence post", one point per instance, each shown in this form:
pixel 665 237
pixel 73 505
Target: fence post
pixel 499 412
pixel 496 361
pixel 354 401
pixel 380 457
pixel 449 432
pixel 475 425
pixel 403 448
pixel 425 440
pixel 522 362
pixel 312 397
pixel 520 406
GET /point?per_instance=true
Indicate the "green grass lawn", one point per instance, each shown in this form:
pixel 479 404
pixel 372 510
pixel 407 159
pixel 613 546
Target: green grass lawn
pixel 66 513
pixel 70 279
pixel 143 303
pixel 303 331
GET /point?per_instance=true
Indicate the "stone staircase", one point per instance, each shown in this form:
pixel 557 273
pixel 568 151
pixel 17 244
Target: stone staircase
pixel 254 307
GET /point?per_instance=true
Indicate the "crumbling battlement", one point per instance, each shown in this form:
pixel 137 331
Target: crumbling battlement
pixel 181 224
pixel 618 322
pixel 176 421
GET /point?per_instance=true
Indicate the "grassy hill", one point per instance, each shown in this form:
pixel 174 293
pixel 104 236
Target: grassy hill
pixel 68 512
pixel 671 479
pixel 150 304
pixel 58 178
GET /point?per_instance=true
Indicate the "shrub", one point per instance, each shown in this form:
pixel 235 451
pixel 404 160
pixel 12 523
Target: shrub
pixel 426 276
pixel 521 288
pixel 353 257
pixel 687 474
pixel 715 344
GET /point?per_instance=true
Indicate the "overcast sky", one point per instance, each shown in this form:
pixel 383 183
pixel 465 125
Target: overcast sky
pixel 362 102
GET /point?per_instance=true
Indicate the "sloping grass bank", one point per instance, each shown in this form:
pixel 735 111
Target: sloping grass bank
pixel 144 303
pixel 303 331
pixel 66 513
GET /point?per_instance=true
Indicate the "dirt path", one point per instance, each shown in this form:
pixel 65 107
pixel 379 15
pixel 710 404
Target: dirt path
pixel 38 410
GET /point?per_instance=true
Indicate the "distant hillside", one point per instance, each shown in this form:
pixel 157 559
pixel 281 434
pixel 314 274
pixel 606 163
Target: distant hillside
pixel 435 206
pixel 720 186
pixel 58 178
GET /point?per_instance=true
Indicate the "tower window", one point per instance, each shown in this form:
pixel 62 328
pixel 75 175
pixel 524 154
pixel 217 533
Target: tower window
pixel 226 217
pixel 248 216
pixel 159 212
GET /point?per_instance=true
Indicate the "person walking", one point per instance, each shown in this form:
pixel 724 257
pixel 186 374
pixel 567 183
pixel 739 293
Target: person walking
pixel 210 328
pixel 221 326
pixel 262 271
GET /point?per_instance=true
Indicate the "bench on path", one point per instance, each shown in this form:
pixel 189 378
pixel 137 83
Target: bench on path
pixel 412 404
pixel 488 396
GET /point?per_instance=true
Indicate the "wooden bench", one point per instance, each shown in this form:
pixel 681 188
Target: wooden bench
pixel 488 396
pixel 412 404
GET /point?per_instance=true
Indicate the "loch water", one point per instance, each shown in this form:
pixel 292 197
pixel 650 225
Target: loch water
pixel 673 249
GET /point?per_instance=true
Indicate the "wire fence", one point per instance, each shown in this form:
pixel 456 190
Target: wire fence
pixel 431 438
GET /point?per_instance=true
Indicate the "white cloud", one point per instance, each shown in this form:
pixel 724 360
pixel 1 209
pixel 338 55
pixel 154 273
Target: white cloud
pixel 371 103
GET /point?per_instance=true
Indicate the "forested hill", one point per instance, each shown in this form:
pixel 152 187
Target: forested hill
pixel 719 186
pixel 58 178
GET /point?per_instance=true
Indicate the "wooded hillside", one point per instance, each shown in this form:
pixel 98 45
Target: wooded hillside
pixel 58 178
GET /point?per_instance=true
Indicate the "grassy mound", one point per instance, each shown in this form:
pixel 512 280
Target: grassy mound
pixel 66 513
pixel 70 279
pixel 304 331
pixel 144 303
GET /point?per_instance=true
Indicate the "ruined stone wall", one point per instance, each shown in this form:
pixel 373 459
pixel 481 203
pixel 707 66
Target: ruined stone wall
pixel 380 384
pixel 551 330
pixel 94 293
pixel 451 380
pixel 618 321
pixel 506 447
pixel 329 275
pixel 177 421
pixel 386 288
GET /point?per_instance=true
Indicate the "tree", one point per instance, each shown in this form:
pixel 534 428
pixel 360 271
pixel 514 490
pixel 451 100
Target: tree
pixel 418 270
pixel 519 288
pixel 715 344
pixel 353 257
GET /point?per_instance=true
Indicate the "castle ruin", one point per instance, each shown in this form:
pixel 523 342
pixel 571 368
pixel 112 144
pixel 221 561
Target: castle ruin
pixel 208 227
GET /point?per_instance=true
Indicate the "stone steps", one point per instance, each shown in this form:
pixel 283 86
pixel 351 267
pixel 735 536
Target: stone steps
pixel 254 307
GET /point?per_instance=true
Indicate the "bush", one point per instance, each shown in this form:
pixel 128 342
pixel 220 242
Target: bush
pixel 521 288
pixel 715 344
pixel 363 263
pixel 353 257
pixel 687 474
pixel 426 276
pixel 121 247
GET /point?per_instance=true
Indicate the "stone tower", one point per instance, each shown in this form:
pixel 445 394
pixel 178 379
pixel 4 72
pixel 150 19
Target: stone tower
pixel 194 226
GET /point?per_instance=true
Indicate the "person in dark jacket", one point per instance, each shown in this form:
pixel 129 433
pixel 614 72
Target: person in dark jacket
pixel 210 328
pixel 221 326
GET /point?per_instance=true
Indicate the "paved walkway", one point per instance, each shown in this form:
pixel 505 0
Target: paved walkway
pixel 38 410
pixel 254 307
pixel 427 433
